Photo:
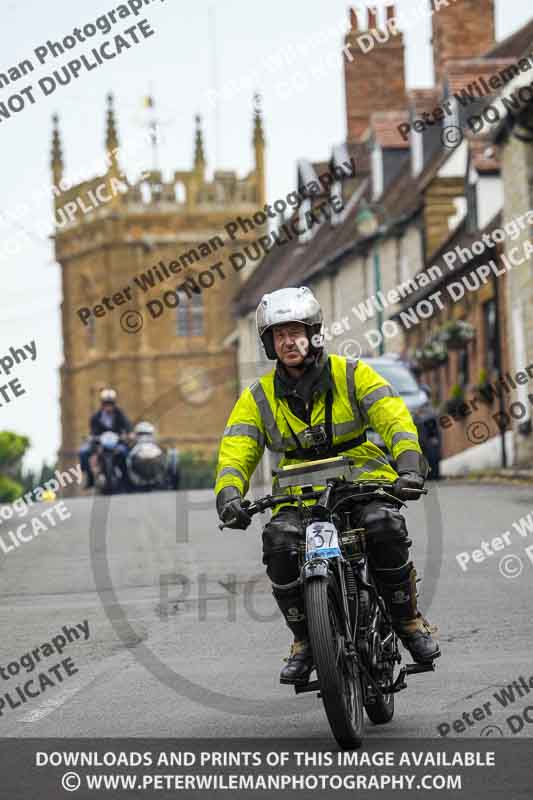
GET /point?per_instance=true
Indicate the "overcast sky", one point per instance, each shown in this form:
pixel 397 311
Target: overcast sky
pixel 237 41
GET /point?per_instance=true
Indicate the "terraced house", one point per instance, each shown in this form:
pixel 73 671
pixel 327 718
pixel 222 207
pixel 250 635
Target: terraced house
pixel 423 260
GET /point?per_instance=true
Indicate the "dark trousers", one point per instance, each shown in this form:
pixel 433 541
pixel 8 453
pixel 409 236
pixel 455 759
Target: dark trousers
pixel 388 553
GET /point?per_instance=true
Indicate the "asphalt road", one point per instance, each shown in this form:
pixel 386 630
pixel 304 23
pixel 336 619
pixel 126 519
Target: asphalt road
pixel 162 660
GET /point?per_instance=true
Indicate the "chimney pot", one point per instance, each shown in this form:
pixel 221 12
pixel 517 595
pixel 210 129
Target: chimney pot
pixel 353 19
pixel 372 18
pixel 375 78
pixel 391 12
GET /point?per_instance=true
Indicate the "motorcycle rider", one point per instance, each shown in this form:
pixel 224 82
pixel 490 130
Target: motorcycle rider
pixel 109 417
pixel 311 406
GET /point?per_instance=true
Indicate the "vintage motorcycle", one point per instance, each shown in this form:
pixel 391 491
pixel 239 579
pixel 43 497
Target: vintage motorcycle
pixel 148 466
pixel 145 467
pixel 354 646
pixel 107 464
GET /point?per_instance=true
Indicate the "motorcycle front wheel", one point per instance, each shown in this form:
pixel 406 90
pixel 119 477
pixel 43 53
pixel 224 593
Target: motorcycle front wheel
pixel 338 676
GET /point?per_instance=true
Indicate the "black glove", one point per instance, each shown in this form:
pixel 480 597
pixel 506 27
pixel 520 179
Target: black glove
pixel 412 468
pixel 231 506
pixel 408 480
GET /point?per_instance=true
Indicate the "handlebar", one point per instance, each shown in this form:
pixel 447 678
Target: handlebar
pixel 364 487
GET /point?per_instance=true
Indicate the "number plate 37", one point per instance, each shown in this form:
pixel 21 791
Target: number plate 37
pixel 322 540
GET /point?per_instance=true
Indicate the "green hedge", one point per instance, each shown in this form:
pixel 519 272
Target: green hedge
pixel 197 472
pixel 12 448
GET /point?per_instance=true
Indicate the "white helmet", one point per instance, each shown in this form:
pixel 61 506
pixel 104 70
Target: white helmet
pixel 144 429
pixel 289 305
pixel 108 396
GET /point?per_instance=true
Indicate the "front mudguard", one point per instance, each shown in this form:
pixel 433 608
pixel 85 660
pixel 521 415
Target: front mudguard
pixel 316 568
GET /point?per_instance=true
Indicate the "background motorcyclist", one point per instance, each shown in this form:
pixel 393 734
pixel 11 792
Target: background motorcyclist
pixel 109 417
pixel 308 399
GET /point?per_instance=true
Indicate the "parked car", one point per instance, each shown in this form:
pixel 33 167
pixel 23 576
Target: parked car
pixel 417 398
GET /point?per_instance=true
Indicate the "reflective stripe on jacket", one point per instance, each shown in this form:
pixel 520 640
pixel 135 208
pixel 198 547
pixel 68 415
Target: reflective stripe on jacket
pixel 361 399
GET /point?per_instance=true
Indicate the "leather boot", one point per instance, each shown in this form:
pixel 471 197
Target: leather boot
pixel 299 664
pixel 412 628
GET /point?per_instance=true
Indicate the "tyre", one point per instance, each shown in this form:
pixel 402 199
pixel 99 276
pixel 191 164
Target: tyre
pixel 107 472
pixel 338 677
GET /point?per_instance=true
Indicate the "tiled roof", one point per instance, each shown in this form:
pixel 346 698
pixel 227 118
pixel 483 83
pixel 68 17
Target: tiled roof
pixel 294 263
pixel 515 45
pixel 462 72
pixel 458 238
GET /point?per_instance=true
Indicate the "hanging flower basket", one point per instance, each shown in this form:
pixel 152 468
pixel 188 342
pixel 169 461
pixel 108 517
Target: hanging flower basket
pixel 457 333
pixel 433 354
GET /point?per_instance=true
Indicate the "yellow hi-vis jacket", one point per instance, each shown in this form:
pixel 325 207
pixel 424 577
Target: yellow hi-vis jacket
pixel 361 399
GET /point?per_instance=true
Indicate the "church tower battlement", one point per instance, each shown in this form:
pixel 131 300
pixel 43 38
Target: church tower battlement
pixel 177 369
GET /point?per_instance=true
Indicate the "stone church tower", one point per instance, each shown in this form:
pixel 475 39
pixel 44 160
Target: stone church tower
pixel 166 350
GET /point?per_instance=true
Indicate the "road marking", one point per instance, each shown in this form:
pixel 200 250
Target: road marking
pixel 53 703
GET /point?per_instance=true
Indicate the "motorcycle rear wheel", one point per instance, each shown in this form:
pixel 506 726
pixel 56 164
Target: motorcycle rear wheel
pixel 339 679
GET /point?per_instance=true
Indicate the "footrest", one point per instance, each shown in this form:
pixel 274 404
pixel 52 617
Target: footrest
pixel 312 686
pixel 412 669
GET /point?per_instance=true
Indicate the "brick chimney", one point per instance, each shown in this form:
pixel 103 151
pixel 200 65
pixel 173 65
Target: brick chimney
pixel 373 71
pixel 462 30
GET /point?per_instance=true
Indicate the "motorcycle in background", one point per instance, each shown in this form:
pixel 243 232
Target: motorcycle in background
pixel 148 466
pixel 145 467
pixel 107 463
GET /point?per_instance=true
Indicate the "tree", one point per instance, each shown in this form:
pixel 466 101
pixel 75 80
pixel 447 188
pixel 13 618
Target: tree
pixel 12 448
pixel 30 479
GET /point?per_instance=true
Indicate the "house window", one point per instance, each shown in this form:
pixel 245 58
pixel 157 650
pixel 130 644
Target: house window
pixel 190 315
pixel 490 336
